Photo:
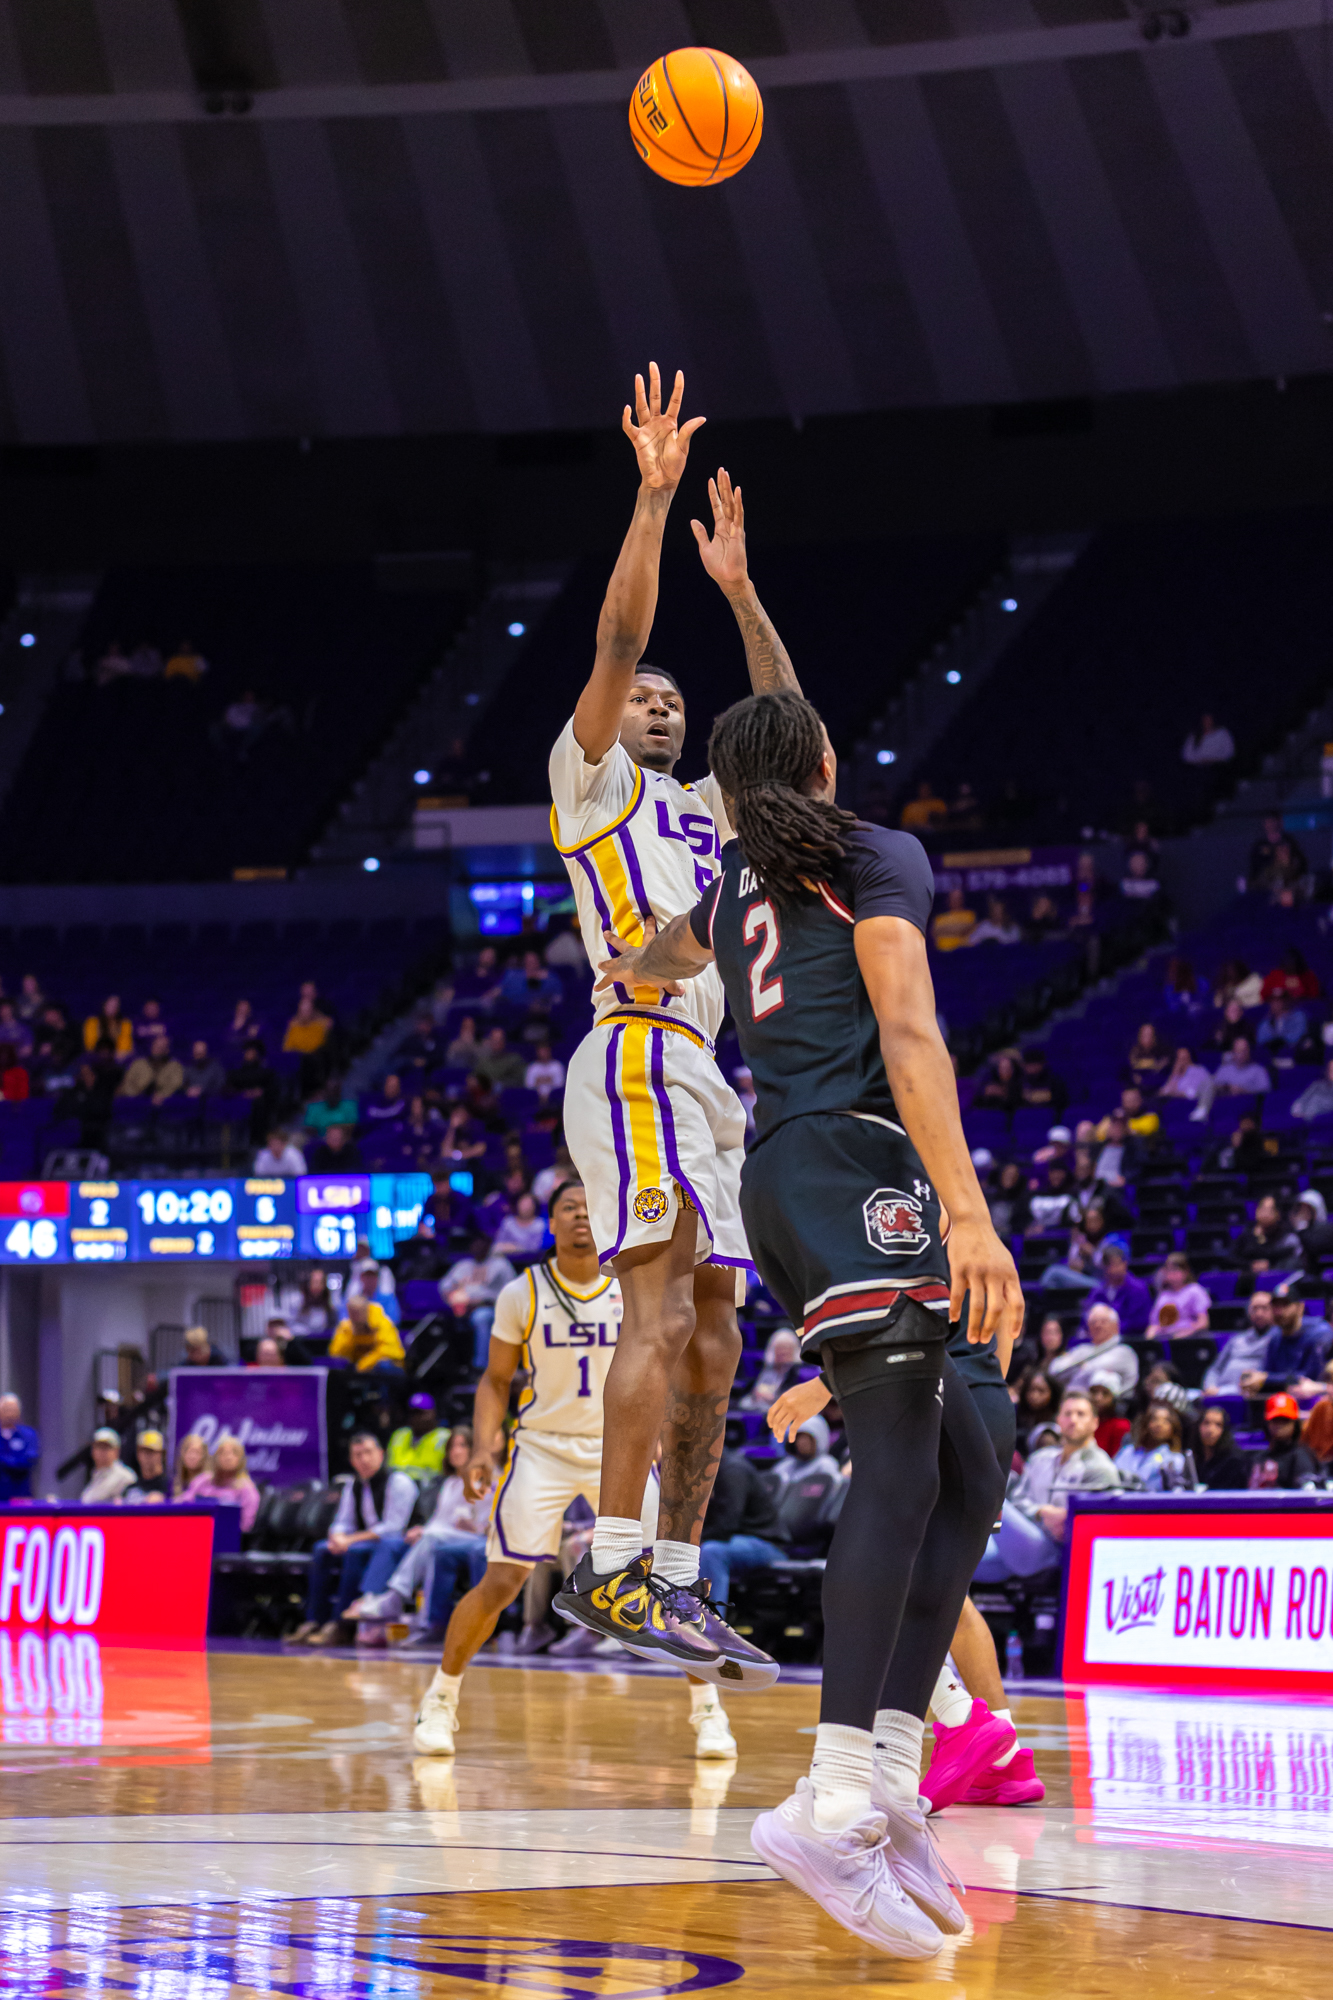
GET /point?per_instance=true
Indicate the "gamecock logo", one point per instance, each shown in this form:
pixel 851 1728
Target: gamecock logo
pixel 893 1223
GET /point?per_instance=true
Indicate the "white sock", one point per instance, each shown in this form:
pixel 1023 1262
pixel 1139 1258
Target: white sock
pixel 616 1541
pixel 703 1695
pixel 675 1562
pixel 897 1742
pixel 998 1763
pixel 840 1773
pixel 951 1701
pixel 449 1685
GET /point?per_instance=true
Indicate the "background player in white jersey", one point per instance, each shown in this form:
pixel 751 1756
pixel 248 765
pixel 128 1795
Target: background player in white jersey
pixel 560 1319
pixel 654 1127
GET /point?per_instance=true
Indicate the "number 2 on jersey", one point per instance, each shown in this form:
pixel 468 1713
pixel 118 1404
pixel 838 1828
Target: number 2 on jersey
pixel 761 921
pixel 585 1385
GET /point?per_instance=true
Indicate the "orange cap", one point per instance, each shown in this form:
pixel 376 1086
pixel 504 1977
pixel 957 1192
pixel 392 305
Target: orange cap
pixel 1284 1404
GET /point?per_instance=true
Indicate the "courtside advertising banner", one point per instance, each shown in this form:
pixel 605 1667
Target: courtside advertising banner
pixel 136 1574
pixel 1231 1598
pixel 277 1413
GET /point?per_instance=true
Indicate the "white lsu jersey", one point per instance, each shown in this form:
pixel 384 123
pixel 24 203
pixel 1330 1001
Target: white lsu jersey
pixel 637 844
pixel 568 1353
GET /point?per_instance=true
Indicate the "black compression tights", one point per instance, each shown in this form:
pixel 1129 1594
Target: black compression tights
pixel 925 1490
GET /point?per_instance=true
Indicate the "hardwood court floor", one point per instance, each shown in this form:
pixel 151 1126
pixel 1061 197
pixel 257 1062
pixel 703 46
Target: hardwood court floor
pixel 188 1826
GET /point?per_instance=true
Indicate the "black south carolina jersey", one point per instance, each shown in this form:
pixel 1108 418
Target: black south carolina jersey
pixel 806 1026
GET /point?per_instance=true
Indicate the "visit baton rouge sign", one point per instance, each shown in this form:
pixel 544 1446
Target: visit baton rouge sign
pixel 1234 1598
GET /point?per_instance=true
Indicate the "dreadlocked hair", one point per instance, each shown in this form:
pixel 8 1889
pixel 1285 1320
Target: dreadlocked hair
pixel 761 752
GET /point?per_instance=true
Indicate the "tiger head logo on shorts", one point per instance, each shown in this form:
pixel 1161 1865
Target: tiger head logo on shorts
pixel 893 1223
pixel 650 1204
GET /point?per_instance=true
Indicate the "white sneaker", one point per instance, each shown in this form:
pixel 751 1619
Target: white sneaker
pixel 380 1606
pixel 712 1732
pixel 437 1719
pixel 915 1861
pixel 846 1873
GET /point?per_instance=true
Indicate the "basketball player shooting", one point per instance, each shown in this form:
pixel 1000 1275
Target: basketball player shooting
pixel 817 924
pixel 656 1131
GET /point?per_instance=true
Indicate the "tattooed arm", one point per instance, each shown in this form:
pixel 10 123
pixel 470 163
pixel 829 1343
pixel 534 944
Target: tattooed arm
pixel 723 556
pixel 672 955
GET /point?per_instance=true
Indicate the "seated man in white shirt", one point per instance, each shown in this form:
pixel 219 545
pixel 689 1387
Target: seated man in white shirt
pixel 376 1504
pixel 1032 1525
pixel 1100 1351
pixel 545 1073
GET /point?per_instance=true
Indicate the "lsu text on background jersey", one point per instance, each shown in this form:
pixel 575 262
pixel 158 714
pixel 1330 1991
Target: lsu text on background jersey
pixel 636 844
pixel 567 1352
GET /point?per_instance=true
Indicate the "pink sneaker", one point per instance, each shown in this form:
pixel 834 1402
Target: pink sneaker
pixel 1015 1784
pixel 963 1752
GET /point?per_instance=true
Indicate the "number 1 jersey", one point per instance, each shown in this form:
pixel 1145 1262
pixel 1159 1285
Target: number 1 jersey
pixel 569 1337
pixel 806 1026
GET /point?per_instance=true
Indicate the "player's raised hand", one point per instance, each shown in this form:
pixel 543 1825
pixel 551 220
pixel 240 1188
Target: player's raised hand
pixel 795 1406
pixel 661 443
pixel 619 968
pixel 723 553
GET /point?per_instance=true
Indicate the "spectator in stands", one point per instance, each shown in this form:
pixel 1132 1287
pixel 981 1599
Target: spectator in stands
pixel 14 1031
pixel 1089 1192
pixel 1239 1075
pixel 464 1137
pixel 997 927
pixel 471 1288
pixel 1101 1351
pixel 1032 1523
pixel 204 1074
pixel 32 1002
pixel 1316 1100
pixel 1317 1430
pixel 779 1370
pixel 111 1477
pixel 544 1073
pixel 419 1445
pixel 1188 1079
pixel 561 1169
pixel 317 1312
pixel 452 1213
pixel 464 1051
pixel 367 1340
pixel 198 1351
pixel 1182 1305
pixel 1243 1150
pixel 741 1532
pixel 529 985
pixel 269 1353
pixel 280 1154
pixel 55 1043
pixel 1111 1430
pixel 1042 1088
pixel 14 1079
pixel 954 924
pixel 112 1027
pixel 1269 1243
pixel 253 1079
pixel 336 1153
pixel 113 665
pixel 191 1460
pixel 89 1100
pixel 157 1075
pixel 1120 1155
pixel 307 1030
pixel 1008 1201
pixel 333 1106
pixel 376 1505
pixel 523 1232
pixel 154 1485
pixel 388 1109
pixel 1264 850
pixel 1284 1033
pixel 1036 1405
pixel 1296 1350
pixel 420 1131
pixel 1184 991
pixel 449 1550
pixel 503 1067
pixel 1288 879
pixel 187 664
pixel 1152 1458
pixel 482 982
pixel 244 1027
pixel 148 1027
pixel 1139 884
pixel 566 948
pixel 1129 1297
pixel 1285 1461
pixel 1236 982
pixel 1149 1060
pixel 965 815
pixel 1044 920
pixel 1076 1271
pixel 808 1451
pixel 1002 1089
pixel 926 811
pixel 20 1449
pixel 1219 1464
pixel 1052 1204
pixel 1292 977
pixel 1210 744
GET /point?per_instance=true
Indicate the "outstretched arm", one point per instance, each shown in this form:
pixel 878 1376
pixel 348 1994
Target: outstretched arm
pixel 675 953
pixel 892 956
pixel 662 449
pixel 723 556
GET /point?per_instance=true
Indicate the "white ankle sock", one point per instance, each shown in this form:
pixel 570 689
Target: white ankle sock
pixel 675 1562
pixel 616 1541
pixel 897 1742
pixel 840 1773
pixel 703 1695
pixel 449 1685
pixel 951 1701
pixel 998 1763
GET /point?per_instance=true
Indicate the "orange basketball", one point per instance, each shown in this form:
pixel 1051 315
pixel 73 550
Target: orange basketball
pixel 696 117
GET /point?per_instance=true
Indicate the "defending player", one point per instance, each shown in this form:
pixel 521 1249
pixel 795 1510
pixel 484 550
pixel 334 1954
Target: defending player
pixel 560 1319
pixel 817 925
pixel 654 1127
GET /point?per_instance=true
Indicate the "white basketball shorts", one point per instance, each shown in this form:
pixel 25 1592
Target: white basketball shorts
pixel 544 1473
pixel 651 1121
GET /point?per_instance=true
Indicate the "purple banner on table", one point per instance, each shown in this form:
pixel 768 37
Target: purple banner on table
pixel 277 1413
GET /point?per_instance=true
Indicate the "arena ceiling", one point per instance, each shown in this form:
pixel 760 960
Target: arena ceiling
pixel 272 218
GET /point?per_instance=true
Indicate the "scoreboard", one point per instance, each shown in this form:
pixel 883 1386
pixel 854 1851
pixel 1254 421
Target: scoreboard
pixel 207 1221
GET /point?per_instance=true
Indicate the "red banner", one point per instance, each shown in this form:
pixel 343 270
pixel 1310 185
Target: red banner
pixel 127 1574
pixel 34 1198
